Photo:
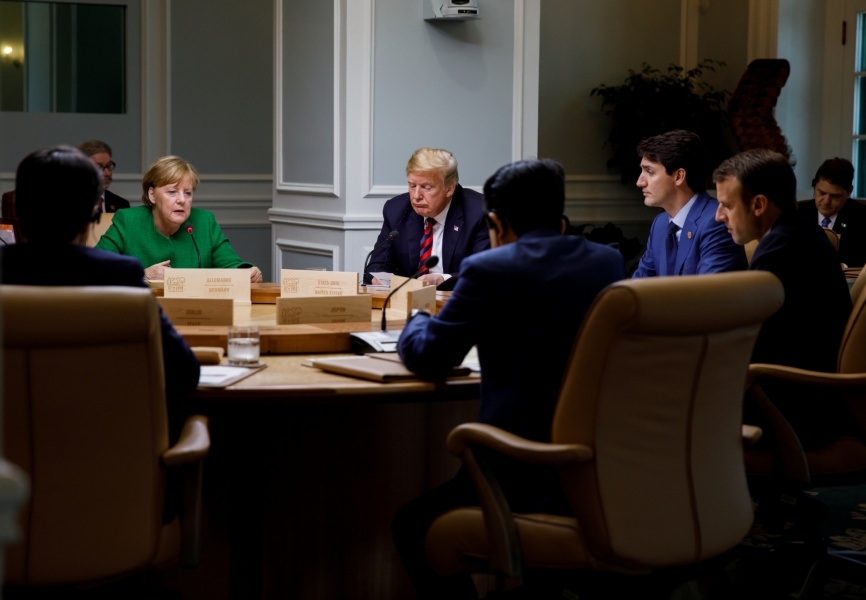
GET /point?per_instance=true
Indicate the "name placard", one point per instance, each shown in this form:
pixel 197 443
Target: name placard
pixel 324 309
pixel 198 311
pixel 231 284
pixel 402 304
pixel 302 282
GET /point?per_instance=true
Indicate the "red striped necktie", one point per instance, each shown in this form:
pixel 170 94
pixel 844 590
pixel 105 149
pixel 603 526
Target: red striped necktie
pixel 426 244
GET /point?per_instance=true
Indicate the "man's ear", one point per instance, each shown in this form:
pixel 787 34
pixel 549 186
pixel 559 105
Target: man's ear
pixel 679 176
pixel 497 224
pixel 759 204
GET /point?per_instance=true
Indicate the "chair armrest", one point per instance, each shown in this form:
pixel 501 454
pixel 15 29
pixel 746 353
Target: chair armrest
pixel 193 445
pixel 516 447
pixel 463 441
pixel 751 434
pixel 792 459
pixel 187 455
pixel 761 372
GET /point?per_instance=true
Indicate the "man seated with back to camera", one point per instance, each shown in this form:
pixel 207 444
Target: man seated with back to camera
pixel 757 201
pixel 455 216
pixel 834 208
pixel 57 190
pixel 521 303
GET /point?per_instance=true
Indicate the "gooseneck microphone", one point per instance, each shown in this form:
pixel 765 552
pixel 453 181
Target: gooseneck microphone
pixel 391 237
pixel 431 262
pixel 197 253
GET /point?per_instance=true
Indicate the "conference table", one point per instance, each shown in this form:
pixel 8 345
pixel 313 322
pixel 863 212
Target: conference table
pixel 307 469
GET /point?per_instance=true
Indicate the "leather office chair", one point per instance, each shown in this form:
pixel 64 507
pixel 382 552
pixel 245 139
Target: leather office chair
pixel 858 285
pixel 844 458
pixel 93 439
pixel 647 436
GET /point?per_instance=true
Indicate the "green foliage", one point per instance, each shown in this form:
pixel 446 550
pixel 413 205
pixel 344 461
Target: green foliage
pixel 650 102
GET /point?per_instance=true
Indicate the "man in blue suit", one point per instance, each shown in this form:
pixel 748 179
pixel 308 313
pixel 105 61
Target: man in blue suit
pixel 455 216
pixel 685 239
pixel 521 303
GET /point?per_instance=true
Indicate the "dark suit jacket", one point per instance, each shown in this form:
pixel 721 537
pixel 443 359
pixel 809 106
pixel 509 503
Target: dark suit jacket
pixel 113 202
pixel 807 331
pixel 705 245
pixel 850 225
pixel 464 233
pixel 521 304
pixel 71 264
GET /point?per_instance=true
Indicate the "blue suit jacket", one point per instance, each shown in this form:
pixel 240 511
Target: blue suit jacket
pixel 464 233
pixel 705 245
pixel 521 304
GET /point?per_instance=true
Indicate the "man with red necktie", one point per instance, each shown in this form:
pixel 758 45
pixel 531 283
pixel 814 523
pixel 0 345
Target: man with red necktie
pixel 437 217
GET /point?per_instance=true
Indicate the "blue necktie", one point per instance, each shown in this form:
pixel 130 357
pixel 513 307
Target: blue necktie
pixel 671 245
pixel 826 223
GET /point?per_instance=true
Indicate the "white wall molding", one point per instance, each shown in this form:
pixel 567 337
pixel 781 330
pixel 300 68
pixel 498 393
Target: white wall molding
pixel 156 80
pixel 298 247
pixel 527 52
pixel 763 29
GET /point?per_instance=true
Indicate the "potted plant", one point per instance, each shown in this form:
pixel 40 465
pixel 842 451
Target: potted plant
pixel 650 102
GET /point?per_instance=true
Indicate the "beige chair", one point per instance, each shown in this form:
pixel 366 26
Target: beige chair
pixel 843 458
pixel 858 285
pixel 647 435
pixel 93 438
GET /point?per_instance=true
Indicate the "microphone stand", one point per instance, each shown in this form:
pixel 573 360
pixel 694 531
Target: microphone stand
pixel 391 237
pixel 384 340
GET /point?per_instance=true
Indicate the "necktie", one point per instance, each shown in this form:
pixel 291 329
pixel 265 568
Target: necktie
pixel 825 223
pixel 426 244
pixel 671 245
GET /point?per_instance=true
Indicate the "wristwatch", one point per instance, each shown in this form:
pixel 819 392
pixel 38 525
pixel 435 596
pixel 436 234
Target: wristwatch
pixel 418 311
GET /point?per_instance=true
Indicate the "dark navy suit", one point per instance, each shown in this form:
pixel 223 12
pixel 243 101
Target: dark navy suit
pixel 705 246
pixel 807 331
pixel 850 224
pixel 521 304
pixel 464 233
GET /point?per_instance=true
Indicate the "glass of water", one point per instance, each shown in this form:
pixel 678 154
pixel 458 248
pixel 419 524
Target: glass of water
pixel 243 345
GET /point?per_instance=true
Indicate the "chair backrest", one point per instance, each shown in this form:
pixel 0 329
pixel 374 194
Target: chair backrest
pixel 832 237
pixel 655 385
pixel 84 415
pixel 858 285
pixel 852 359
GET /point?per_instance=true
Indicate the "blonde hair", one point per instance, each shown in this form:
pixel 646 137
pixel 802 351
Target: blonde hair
pixel 166 170
pixel 434 159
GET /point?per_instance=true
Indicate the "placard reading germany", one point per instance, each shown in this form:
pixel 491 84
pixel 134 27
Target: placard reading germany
pixel 320 284
pixel 232 284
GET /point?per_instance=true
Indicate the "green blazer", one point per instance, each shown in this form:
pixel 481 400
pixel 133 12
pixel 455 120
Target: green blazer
pixel 133 233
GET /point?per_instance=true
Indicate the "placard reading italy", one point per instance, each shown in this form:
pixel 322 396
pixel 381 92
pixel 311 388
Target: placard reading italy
pixel 322 284
pixel 198 311
pixel 233 284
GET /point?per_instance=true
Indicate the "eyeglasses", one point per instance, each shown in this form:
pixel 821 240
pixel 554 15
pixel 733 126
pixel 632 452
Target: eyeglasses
pixel 109 167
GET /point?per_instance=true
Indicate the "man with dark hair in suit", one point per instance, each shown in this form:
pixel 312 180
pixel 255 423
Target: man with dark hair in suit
pixel 833 208
pixel 684 239
pixel 757 201
pixel 57 193
pixel 521 303
pixel 437 217
pixel 100 153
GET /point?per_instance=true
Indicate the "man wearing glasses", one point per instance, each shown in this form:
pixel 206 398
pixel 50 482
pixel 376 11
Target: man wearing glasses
pixel 100 153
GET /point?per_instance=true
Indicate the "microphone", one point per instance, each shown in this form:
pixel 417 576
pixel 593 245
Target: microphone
pixel 197 253
pixel 431 262
pixel 391 237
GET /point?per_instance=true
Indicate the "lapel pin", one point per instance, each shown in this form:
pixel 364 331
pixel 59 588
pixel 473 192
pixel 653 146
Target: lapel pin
pixel 456 228
pixel 689 235
pixel 844 224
